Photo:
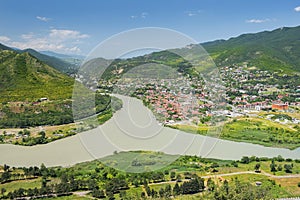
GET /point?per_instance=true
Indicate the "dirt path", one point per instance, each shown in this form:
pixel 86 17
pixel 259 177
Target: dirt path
pixel 237 173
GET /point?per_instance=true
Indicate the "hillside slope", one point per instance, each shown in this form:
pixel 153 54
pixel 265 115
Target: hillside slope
pixel 23 77
pixel 276 50
pixel 52 61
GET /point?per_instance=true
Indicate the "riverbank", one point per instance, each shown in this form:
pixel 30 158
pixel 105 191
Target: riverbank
pixel 45 134
pixel 249 172
pixel 250 130
pixel 132 128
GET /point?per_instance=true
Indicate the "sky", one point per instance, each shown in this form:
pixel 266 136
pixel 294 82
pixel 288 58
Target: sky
pixel 77 26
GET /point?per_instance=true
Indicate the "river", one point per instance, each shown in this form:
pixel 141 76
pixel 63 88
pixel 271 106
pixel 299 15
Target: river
pixel 132 128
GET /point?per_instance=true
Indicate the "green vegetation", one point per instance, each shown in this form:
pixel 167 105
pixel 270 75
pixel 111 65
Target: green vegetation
pixel 187 178
pixel 35 94
pixel 138 161
pixel 275 50
pixel 105 107
pixel 21 73
pixel 253 130
pixel 22 114
pixel 261 131
pixel 52 61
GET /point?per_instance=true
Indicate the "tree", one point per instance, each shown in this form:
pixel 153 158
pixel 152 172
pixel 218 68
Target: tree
pixel 43 170
pixel 154 193
pixel 36 192
pixel 211 185
pixel 176 190
pixel 172 175
pixel 136 183
pixel 44 182
pixel 6 167
pixel 98 193
pixel 226 187
pixel 5 176
pixel 245 160
pixel 280 158
pixel 288 168
pixel 122 194
pixel 161 192
pixel 148 190
pixel 62 188
pixel 234 164
pixel 257 167
pixel 168 191
pixel 193 186
pixel 92 184
pixel 178 178
pixel 42 136
pixel 3 190
pixel 110 195
pixel 273 166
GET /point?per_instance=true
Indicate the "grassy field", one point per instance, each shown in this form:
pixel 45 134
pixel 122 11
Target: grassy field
pixel 262 131
pixel 252 130
pixel 138 161
pixel 26 184
pixel 184 166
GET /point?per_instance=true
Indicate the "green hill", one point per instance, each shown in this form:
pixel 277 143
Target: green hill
pixel 33 94
pixel 23 77
pixel 52 61
pixel 276 50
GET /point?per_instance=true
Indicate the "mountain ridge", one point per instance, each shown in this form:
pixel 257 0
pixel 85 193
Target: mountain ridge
pixel 24 77
pixel 270 50
pixel 55 62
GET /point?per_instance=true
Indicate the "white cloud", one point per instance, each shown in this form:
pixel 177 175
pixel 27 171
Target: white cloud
pixel 27 36
pixel 297 9
pixel 66 34
pixel 142 15
pixel 44 19
pixel 4 39
pixel 58 40
pixel 192 13
pixel 257 21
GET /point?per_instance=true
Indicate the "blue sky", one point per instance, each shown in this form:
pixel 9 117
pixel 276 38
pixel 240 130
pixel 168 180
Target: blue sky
pixel 76 27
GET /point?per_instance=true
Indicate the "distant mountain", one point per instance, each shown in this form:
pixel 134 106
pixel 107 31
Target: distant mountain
pixel 58 63
pixel 52 61
pixel 74 60
pixel 2 47
pixel 24 77
pixel 276 50
pixel 62 56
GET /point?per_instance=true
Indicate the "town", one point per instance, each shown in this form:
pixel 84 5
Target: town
pixel 186 100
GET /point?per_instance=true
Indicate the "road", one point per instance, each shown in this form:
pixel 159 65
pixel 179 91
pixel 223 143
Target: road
pixel 234 174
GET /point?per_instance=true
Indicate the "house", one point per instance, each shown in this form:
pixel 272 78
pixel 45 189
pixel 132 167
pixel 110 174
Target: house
pixel 280 106
pixel 43 99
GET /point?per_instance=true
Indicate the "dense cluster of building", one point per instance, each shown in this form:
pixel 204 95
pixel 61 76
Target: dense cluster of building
pixel 184 99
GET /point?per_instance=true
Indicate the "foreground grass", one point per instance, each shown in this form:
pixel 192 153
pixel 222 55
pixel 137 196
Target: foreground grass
pixel 184 166
pixel 26 184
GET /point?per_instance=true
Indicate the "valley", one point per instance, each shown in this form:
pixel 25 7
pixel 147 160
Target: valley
pixel 156 126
